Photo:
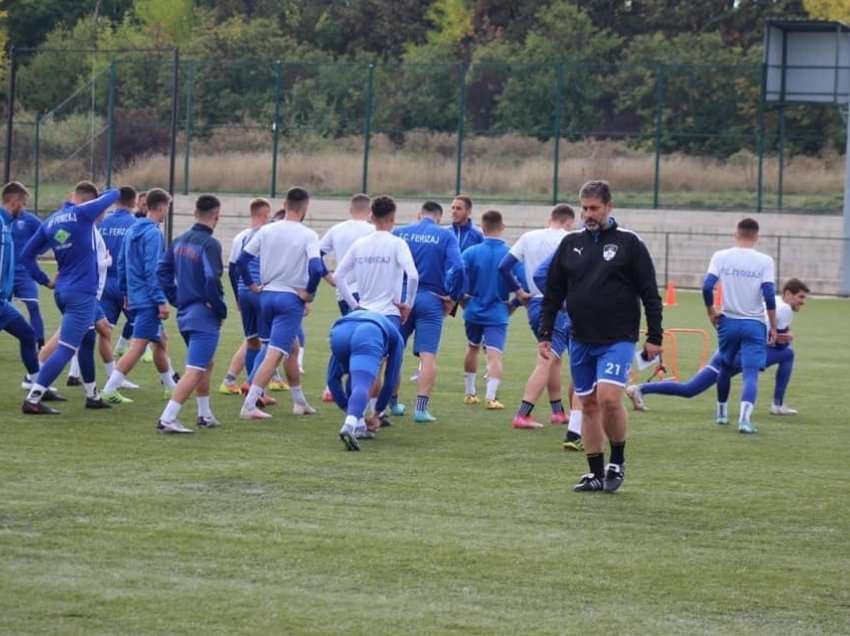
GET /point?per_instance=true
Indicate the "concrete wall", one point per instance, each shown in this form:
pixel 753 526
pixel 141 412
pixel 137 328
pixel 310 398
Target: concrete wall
pixel 681 242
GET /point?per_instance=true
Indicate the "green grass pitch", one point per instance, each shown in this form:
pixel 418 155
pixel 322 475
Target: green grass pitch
pixel 461 527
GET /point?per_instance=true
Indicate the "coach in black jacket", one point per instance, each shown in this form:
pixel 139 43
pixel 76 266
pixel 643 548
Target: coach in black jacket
pixel 603 272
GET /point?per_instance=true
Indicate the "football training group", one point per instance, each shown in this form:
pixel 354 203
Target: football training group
pixel 581 281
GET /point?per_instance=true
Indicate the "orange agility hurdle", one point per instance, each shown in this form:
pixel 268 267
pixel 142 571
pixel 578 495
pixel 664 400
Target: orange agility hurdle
pixel 668 366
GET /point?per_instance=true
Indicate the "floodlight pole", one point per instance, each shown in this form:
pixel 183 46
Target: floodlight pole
pixel 844 285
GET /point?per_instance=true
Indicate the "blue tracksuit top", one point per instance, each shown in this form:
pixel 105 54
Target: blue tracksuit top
pixel 393 349
pixel 190 275
pixel 467 234
pixel 137 263
pixel 69 232
pixel 437 257
pixel 113 229
pixel 7 257
pixel 23 228
pixel 488 302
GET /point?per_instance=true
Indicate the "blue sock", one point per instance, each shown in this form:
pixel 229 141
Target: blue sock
pixel 35 319
pixel 783 376
pixel 85 356
pixel 53 366
pixel 422 403
pixel 250 359
pixel 23 331
pixel 750 390
pixel 361 383
pixel 258 360
pixel 702 381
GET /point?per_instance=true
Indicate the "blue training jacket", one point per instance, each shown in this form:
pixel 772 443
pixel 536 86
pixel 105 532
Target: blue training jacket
pixel 69 232
pixel 489 295
pixel 190 275
pixel 7 257
pixel 137 264
pixel 437 257
pixel 23 227
pixel 468 234
pixel 393 349
pixel 113 229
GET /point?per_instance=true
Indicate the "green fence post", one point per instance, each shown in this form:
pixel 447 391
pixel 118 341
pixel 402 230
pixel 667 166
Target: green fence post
pixel 760 186
pixel 460 132
pixel 559 109
pixel 659 107
pixel 367 125
pixel 110 122
pixel 190 90
pixel 278 96
pixel 781 177
pixel 37 176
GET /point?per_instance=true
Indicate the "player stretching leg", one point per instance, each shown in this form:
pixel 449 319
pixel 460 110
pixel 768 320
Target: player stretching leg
pixel 359 343
pixel 190 274
pixel 747 277
pixel 486 309
pixel 288 283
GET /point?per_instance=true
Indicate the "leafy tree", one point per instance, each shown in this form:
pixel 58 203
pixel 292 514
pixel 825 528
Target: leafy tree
pixel 838 10
pixel 28 22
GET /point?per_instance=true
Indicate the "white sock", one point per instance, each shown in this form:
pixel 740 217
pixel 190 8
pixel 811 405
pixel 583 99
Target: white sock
pixel 574 425
pixel 297 395
pixel 170 368
pixel 115 380
pixel 301 358
pixel 36 392
pixel 373 402
pixel 722 409
pixel 746 411
pixel 469 383
pixel 91 389
pixel 171 411
pixel 204 409
pixel 74 370
pixel 110 367
pixel 254 394
pixel 350 422
pixel 32 376
pixel 167 380
pixel 493 387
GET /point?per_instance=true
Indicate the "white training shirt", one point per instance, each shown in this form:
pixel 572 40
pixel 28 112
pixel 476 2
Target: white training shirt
pixel 742 270
pixel 285 249
pixel 784 315
pixel 339 239
pixel 239 243
pixel 104 260
pixel 377 263
pixel 533 248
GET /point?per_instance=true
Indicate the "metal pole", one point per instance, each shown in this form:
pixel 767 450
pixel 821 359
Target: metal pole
pixel 10 114
pixel 666 258
pixel 110 119
pixel 278 97
pixel 559 109
pixel 778 262
pixel 460 133
pixel 781 185
pixel 659 105
pixel 190 90
pixel 367 125
pixel 844 288
pixel 760 141
pixel 37 176
pixel 172 158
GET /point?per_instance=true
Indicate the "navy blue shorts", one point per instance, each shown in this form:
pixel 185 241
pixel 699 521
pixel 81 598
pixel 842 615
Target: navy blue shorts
pixel 608 363
pixel 200 348
pixel 78 314
pixel 250 310
pixel 8 313
pixel 560 334
pixel 113 306
pixel 744 337
pixel 146 324
pixel 24 287
pixel 426 321
pixel 491 336
pixel 283 312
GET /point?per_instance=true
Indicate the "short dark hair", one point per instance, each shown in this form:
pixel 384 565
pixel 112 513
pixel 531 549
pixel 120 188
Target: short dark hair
pixel 748 226
pixel 297 198
pixel 86 190
pixel 795 286
pixel 432 207
pixel 127 196
pixel 14 188
pixel 562 212
pixel 467 201
pixel 157 197
pixel 383 206
pixel 492 221
pixel 361 200
pixel 142 193
pixel 258 204
pixel 206 204
pixel 596 189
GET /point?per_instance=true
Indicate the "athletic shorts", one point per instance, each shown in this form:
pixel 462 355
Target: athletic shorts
pixel 146 324
pixel 78 313
pixel 24 287
pixel 358 346
pixel 200 348
pixel 283 312
pixel 301 337
pixel 250 310
pixel 426 321
pixel 747 338
pixel 8 313
pixel 99 314
pixel 560 334
pixel 113 306
pixel 492 336
pixel 608 363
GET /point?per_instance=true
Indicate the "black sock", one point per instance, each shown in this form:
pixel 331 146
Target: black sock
pixel 525 409
pixel 618 450
pixel 557 406
pixel 596 462
pixel 572 436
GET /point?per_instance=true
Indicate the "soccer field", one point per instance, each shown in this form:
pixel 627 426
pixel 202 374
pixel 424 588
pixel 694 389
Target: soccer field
pixel 465 526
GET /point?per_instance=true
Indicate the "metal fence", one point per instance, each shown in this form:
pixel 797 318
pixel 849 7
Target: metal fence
pixel 667 136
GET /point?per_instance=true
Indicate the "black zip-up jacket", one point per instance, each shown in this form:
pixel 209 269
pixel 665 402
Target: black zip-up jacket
pixel 603 277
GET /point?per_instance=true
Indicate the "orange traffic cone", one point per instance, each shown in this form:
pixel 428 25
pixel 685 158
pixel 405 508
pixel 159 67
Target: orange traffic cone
pixel 670 296
pixel 718 296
